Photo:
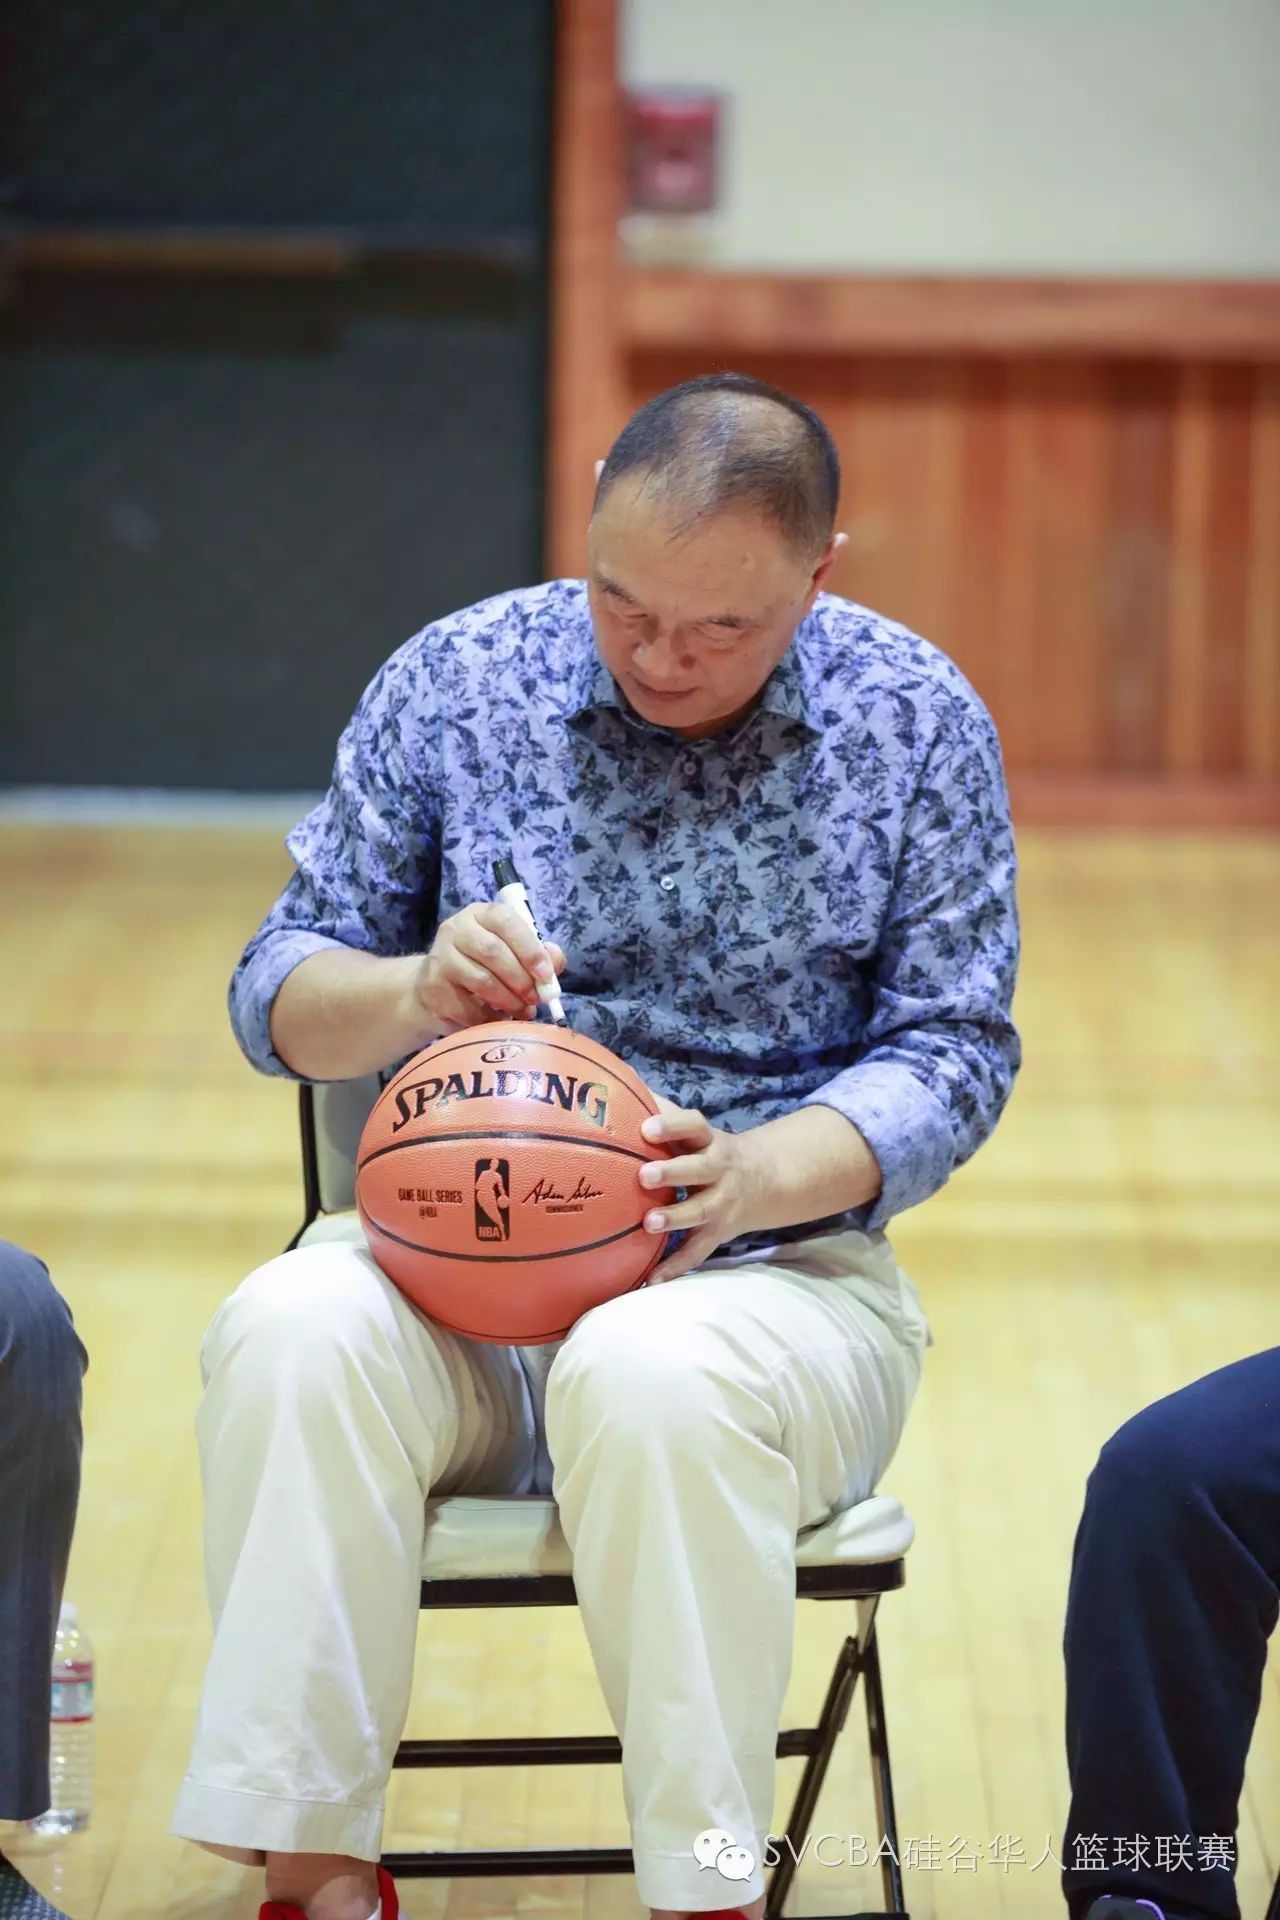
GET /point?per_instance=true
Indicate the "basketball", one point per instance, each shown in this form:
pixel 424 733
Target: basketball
pixel 496 1181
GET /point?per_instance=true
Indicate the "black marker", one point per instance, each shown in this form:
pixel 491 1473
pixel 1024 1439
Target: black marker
pixel 512 892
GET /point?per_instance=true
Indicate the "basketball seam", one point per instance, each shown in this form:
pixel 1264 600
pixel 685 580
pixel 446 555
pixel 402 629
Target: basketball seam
pixel 492 1133
pixel 496 1259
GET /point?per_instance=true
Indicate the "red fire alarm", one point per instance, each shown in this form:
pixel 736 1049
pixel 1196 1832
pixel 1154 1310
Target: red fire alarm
pixel 673 149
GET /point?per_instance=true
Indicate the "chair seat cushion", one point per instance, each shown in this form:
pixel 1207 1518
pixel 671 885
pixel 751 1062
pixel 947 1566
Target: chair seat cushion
pixel 344 1226
pixel 474 1537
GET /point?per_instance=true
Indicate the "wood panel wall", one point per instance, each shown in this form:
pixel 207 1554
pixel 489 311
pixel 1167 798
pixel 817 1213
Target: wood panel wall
pixel 1072 487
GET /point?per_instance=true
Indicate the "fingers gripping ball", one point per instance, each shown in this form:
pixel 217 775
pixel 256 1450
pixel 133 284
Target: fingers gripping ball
pixel 497 1181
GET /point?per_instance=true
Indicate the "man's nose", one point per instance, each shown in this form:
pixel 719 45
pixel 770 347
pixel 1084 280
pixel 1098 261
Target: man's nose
pixel 661 657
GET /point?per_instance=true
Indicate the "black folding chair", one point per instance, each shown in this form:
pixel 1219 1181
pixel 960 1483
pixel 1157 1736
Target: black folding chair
pixel 510 1552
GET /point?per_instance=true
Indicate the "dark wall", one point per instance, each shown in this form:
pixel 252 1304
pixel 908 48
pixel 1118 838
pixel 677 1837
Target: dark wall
pixel 224 499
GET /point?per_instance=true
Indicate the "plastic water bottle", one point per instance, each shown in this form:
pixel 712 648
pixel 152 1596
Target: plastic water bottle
pixel 70 1730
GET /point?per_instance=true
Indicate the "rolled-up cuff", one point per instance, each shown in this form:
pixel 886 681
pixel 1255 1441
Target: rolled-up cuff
pixel 905 1126
pixel 254 990
pixel 675 1881
pixel 258 1822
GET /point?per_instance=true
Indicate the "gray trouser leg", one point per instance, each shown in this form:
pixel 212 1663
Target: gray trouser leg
pixel 41 1367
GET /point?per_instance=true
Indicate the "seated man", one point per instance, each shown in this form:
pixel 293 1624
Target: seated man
pixel 770 833
pixel 1175 1585
pixel 42 1367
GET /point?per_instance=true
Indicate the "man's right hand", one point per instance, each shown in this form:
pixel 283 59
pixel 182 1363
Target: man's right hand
pixel 485 960
pixel 342 1012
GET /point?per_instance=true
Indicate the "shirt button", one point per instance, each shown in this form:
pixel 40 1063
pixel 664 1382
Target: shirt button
pixel 667 882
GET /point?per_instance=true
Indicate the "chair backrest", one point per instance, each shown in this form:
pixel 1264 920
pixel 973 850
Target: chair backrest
pixel 332 1118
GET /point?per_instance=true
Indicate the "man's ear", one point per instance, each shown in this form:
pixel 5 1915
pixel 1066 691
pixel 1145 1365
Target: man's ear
pixel 829 558
pixel 823 568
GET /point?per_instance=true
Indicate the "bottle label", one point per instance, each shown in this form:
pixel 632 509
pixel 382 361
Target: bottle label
pixel 72 1702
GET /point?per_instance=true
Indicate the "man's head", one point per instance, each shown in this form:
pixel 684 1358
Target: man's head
pixel 711 538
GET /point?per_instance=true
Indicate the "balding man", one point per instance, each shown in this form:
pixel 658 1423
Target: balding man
pixel 770 833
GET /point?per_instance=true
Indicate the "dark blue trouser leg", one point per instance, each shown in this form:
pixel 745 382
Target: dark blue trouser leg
pixel 1173 1596
pixel 41 1367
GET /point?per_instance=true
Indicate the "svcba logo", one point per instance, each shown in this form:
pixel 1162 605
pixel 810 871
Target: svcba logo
pixel 716 1848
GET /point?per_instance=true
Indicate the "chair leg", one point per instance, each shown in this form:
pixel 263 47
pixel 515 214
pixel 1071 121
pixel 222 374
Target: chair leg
pixel 835 1709
pixel 882 1777
pixel 857 1658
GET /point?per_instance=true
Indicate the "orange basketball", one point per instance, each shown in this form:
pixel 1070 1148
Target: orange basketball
pixel 496 1181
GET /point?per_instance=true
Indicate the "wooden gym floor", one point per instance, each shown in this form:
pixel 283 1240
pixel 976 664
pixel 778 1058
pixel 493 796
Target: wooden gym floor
pixel 1117 1238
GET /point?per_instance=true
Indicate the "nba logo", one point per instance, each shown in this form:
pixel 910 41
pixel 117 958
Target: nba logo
pixel 493 1200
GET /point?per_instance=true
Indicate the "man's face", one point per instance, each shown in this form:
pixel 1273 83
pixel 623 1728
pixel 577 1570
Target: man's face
pixel 692 625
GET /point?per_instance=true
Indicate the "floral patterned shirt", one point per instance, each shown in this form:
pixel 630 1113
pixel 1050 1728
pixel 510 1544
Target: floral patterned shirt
pixel 816 906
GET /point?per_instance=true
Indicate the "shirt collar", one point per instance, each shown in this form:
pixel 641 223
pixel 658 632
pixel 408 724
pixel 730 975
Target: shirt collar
pixel 592 686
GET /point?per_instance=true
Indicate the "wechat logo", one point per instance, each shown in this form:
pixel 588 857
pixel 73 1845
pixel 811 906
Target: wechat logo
pixel 718 1849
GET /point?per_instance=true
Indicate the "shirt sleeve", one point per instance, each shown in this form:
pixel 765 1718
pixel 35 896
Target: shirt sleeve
pixel 942 1052
pixel 367 859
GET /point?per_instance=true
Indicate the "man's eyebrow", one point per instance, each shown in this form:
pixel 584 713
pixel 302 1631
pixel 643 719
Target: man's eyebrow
pixel 739 620
pixel 611 586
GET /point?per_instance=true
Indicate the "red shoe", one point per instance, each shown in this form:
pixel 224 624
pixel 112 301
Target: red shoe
pixel 282 1910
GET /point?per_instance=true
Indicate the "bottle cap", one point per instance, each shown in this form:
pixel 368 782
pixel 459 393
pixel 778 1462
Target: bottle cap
pixel 67 1615
pixel 505 875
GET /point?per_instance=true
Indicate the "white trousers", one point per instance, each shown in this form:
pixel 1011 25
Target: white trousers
pixel 694 1428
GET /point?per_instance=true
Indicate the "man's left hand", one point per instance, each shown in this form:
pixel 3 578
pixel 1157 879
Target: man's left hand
pixel 717 1169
